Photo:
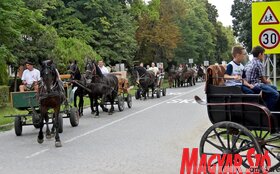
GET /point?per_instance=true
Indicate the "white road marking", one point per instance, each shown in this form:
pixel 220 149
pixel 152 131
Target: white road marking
pixel 113 122
pixel 37 153
pixel 183 101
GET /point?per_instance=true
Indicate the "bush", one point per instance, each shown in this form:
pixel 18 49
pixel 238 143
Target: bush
pixel 4 95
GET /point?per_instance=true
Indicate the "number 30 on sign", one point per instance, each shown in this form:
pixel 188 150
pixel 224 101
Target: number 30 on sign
pixel 269 38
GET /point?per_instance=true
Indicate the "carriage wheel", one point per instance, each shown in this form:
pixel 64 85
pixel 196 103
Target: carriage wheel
pixel 194 80
pixel 18 126
pixel 269 143
pixel 60 124
pixel 158 93
pixel 225 138
pixel 129 100
pixel 74 117
pixel 36 120
pixel 137 94
pixel 164 92
pixel 120 103
pixel 190 81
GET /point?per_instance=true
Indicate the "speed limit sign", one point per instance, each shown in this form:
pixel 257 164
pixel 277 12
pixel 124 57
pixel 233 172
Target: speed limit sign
pixel 269 38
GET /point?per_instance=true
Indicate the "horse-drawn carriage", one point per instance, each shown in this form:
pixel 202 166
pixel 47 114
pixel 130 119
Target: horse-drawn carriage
pixel 110 89
pixel 28 101
pixel 242 125
pixel 123 90
pixel 146 80
pixel 178 78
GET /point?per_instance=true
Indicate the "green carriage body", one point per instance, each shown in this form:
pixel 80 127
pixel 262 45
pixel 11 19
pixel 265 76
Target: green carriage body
pixel 24 100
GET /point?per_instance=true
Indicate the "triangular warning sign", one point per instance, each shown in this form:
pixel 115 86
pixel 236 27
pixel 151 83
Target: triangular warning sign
pixel 268 17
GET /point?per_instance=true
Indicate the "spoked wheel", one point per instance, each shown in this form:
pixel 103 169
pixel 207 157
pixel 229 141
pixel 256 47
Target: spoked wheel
pixel 229 138
pixel 158 93
pixel 138 94
pixel 60 124
pixel 270 145
pixel 163 91
pixel 74 117
pixel 120 103
pixel 18 126
pixel 129 101
pixel 36 120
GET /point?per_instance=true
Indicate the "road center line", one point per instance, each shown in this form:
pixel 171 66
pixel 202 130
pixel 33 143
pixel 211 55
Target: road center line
pixel 37 153
pixel 113 122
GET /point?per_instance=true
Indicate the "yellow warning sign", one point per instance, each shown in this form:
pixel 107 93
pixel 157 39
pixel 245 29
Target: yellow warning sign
pixel 265 26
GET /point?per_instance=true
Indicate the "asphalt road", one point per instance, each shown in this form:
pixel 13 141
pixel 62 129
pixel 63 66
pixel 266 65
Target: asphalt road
pixel 147 139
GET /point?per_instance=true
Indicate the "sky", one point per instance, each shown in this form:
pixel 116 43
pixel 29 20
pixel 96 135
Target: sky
pixel 224 9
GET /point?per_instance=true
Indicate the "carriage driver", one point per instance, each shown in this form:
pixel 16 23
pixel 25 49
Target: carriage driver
pixel 30 78
pixel 153 68
pixel 103 69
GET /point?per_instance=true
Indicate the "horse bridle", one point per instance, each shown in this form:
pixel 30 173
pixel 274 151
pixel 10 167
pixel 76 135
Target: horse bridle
pixel 44 93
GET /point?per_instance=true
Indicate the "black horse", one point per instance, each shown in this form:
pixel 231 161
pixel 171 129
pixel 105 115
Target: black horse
pixel 80 91
pixel 51 95
pixel 144 79
pixel 102 86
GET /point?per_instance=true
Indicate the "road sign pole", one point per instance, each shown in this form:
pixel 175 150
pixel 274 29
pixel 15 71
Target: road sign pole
pixel 274 69
pixel 267 62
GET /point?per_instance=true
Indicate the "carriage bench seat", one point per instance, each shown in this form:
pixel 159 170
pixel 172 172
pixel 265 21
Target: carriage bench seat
pixel 230 104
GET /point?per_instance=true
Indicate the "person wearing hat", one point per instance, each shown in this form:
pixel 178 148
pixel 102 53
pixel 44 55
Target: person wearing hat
pixel 30 78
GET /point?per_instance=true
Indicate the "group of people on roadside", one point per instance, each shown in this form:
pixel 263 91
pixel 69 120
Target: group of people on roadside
pixel 251 77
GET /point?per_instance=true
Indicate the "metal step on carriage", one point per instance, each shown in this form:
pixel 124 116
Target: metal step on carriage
pixel 242 124
pixel 28 101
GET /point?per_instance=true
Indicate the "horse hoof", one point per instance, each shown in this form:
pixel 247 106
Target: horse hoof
pixel 49 136
pixel 58 144
pixel 92 112
pixel 105 110
pixel 110 113
pixel 40 141
pixel 96 115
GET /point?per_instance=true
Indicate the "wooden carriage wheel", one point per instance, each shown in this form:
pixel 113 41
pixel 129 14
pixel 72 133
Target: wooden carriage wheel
pixel 229 138
pixel 269 143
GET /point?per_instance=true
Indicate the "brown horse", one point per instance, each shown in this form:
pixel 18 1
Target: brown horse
pixel 51 95
pixel 188 76
pixel 215 75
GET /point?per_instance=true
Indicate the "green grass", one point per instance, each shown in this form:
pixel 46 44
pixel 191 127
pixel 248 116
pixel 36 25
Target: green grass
pixel 8 110
pixel 278 84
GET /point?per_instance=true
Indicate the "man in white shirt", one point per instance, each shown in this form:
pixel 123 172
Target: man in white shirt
pixel 154 68
pixel 30 78
pixel 103 69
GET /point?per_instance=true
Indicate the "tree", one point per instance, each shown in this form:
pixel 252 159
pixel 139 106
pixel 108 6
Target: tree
pixel 113 27
pixel 198 32
pixel 15 17
pixel 69 49
pixel 158 33
pixel 242 22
